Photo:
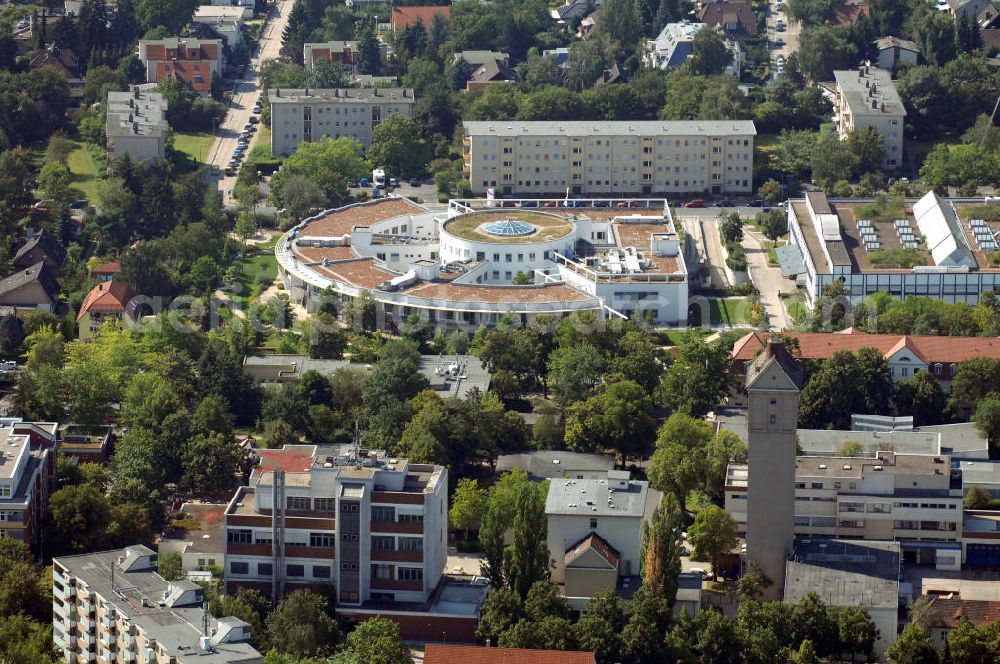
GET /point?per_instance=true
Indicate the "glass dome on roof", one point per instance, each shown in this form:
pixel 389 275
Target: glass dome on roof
pixel 509 228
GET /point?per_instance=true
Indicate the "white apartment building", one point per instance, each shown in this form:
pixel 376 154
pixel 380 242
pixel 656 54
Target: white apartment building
pixel 373 527
pixel 136 124
pixel 111 607
pixel 595 531
pixel 675 44
pixel 307 115
pixel 867 97
pixel 609 158
pixel 910 498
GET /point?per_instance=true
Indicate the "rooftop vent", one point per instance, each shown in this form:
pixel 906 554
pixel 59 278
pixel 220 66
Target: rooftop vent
pixel 847 466
pixel 822 466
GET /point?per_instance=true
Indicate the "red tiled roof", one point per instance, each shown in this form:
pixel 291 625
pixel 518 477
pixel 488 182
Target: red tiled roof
pixel 945 612
pixel 443 654
pixel 341 221
pixel 595 542
pixel 109 297
pixel 111 267
pixel 404 17
pixel 290 460
pixel 730 13
pixel 821 345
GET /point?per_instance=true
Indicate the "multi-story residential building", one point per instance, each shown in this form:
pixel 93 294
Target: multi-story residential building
pixel 609 158
pixel 947 249
pixel 735 18
pixel 906 355
pixel 112 607
pixel 107 301
pixel 913 499
pixel 456 269
pixel 137 124
pixel 675 44
pixel 339 52
pixel 595 531
pixel 27 478
pixel 893 51
pixel 867 97
pixel 191 61
pixel 309 115
pixel 373 527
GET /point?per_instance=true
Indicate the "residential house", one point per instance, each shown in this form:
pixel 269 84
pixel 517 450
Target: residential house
pixel 893 51
pixel 42 247
pixel 209 13
pixel 107 301
pixel 229 29
pixel 478 58
pixel 559 55
pixel 595 532
pixel 136 124
pixel 848 14
pixel 90 444
pixel 945 612
pixel 201 543
pixel 906 355
pixel 339 52
pixel 112 606
pixel 191 61
pixel 867 97
pixel 573 9
pixel 436 653
pixel 31 288
pixel 551 464
pixel 493 71
pixel 965 9
pixel 736 19
pixel 64 61
pixel 611 75
pixel 106 271
pixel 675 44
pixel 405 17
pixel 27 478
pixel 847 573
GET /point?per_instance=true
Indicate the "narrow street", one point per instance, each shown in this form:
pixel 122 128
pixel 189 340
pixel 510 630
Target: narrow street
pixel 768 280
pixel 246 92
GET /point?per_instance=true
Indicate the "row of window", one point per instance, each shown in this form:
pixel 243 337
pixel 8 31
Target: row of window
pixel 291 570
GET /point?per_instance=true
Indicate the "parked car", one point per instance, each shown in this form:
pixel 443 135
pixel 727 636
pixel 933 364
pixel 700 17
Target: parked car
pixel 695 203
pixel 757 202
pixel 725 202
pixel 364 182
pixel 550 204
pixel 79 205
pixel 529 204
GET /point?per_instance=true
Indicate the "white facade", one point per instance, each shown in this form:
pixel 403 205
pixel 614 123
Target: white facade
pixel 609 158
pixel 136 124
pixel 675 45
pixel 867 97
pixel 309 115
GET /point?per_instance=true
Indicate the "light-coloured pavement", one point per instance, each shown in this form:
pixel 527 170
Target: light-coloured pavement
pixel 701 227
pixel 768 280
pixel 246 92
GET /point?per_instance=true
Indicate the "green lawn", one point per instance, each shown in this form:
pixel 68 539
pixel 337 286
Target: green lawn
pixel 728 310
pixel 676 337
pixel 261 269
pixel 84 170
pixel 196 146
pixel 795 305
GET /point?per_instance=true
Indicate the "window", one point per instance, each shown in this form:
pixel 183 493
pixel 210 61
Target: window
pixel 325 504
pixel 383 572
pixel 322 539
pixel 349 537
pixel 349 597
pixel 817 485
pixel 295 570
pixel 239 568
pixel 351 506
pixel 593 524
pixel 411 574
pixel 349 567
pixel 299 503
pixel 239 536
pixel 382 543
pixel 380 513
pixel 411 544
pixel 411 518
pixel 265 569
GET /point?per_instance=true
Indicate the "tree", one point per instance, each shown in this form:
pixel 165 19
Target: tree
pixel 301 627
pixel 678 464
pixel 987 418
pixel 724 448
pixel 773 223
pixel 912 647
pixel 698 379
pixel 529 553
pixel 831 161
pixel 771 192
pixel 620 418
pixel 572 373
pixel 468 505
pixel 662 548
pixel 328 164
pixel 501 610
pixel 278 433
pixel 24 640
pixel 974 379
pixel 831 394
pixel 170 566
pixel 713 535
pixel 245 226
pixel 731 229
pixel 977 498
pixel 398 146
pixel 857 631
pixel 54 187
pixel 867 144
pixel 369 55
pixel 210 463
pixel 78 519
pixel 958 165
pixel 824 49
pixel 709 55
pixel 599 628
pixel 377 641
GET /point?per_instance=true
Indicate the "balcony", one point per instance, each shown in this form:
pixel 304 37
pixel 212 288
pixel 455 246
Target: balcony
pixel 235 549
pixel 397 527
pixel 397 556
pixel 396 584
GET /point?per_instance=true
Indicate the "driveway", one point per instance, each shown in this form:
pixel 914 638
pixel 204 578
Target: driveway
pixel 245 94
pixel 768 280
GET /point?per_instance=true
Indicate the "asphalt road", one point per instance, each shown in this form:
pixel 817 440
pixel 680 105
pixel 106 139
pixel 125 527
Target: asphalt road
pixel 790 36
pixel 246 92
